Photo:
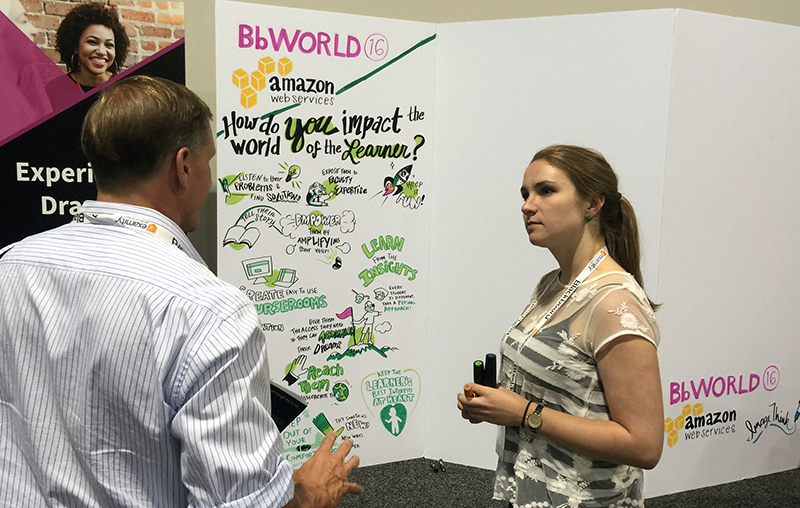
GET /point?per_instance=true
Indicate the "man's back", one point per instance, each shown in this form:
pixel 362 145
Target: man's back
pixel 118 352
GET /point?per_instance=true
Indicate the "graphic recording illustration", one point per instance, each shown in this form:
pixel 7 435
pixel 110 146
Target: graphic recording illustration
pixel 406 191
pixel 257 187
pixel 312 232
pixel 251 83
pixel 394 395
pixel 362 337
pixel 245 232
pixel 393 418
pixel 331 258
pixel 319 195
pixel 299 157
pixel 315 380
pixel 291 172
pixel 324 426
pixel 319 232
pixel 341 391
pixel 305 434
pixel 367 333
pixel 260 271
pixel 295 369
pixel 383 251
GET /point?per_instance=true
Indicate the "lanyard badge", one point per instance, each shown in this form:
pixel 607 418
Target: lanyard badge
pixel 601 255
pixel 129 222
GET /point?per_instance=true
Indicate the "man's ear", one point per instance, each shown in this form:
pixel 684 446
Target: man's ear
pixel 182 167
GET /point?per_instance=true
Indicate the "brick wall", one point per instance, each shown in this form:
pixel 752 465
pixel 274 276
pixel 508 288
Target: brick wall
pixel 151 26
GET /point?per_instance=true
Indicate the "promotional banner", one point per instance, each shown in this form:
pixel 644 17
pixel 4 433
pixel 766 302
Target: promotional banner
pixel 43 172
pixel 324 150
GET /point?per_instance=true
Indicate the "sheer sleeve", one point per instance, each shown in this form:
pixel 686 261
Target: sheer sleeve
pixel 619 311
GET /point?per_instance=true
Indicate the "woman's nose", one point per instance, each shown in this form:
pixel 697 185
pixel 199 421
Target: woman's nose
pixel 528 205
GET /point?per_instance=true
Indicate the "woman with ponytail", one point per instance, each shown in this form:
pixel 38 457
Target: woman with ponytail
pixel 579 398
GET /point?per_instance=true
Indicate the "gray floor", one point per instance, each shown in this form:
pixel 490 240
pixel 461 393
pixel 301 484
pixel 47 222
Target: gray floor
pixel 415 484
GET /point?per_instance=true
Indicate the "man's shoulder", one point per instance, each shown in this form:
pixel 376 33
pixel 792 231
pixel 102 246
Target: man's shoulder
pixel 120 253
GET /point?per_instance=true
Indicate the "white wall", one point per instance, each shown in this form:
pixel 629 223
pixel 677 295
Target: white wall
pixel 504 90
pixel 729 245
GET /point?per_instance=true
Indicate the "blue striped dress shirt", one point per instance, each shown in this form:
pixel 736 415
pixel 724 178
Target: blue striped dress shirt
pixel 130 375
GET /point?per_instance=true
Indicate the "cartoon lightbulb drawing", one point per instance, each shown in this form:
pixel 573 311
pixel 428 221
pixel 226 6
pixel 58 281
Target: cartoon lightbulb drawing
pixel 292 172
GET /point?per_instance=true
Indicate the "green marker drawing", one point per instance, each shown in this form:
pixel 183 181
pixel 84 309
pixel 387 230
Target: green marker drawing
pixel 387 64
pixel 393 418
pixel 226 182
pixel 324 426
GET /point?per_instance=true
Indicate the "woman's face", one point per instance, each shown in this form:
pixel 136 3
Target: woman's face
pixel 96 49
pixel 17 15
pixel 553 212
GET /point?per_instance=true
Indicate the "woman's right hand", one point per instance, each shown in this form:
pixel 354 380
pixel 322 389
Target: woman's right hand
pixel 499 406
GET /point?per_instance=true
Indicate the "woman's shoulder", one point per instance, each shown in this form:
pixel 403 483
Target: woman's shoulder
pixel 618 305
pixel 616 280
pixel 611 288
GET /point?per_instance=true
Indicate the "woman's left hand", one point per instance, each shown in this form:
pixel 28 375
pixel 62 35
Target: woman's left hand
pixel 494 405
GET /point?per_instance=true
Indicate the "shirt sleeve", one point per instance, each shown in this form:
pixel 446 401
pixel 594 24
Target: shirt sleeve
pixel 230 446
pixel 619 312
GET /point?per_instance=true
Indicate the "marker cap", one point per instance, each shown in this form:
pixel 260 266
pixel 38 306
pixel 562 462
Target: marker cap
pixel 477 372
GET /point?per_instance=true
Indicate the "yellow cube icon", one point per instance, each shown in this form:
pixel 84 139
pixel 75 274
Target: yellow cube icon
pixel 266 65
pixel 680 422
pixel 240 78
pixel 249 97
pixel 258 81
pixel 672 438
pixel 687 410
pixel 697 409
pixel 284 66
pixel 669 425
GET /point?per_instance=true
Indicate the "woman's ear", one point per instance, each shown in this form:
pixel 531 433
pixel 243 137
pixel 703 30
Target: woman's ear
pixel 596 203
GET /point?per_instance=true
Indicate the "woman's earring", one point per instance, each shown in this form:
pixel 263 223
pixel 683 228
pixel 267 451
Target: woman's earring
pixel 75 65
pixel 588 218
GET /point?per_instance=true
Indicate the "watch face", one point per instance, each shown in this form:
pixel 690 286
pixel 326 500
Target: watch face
pixel 534 421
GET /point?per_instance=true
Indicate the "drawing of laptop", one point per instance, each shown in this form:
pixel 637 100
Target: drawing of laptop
pixel 286 278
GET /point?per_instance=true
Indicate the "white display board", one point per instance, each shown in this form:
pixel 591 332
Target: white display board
pixel 698 113
pixel 727 276
pixel 597 80
pixel 324 142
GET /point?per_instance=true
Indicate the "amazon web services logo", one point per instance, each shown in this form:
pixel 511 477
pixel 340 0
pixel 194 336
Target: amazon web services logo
pixel 693 423
pixel 282 87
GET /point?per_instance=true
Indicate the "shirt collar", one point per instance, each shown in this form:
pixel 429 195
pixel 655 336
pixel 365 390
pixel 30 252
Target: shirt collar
pixel 144 214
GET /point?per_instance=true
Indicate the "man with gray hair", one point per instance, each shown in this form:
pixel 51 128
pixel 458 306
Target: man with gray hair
pixel 129 374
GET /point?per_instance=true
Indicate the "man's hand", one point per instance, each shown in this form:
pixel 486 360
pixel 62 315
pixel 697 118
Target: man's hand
pixel 323 480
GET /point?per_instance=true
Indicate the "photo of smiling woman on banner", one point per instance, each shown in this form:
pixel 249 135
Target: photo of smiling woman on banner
pixel 92 43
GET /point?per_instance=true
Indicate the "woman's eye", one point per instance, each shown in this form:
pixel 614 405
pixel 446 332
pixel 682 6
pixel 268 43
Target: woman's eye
pixel 545 191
